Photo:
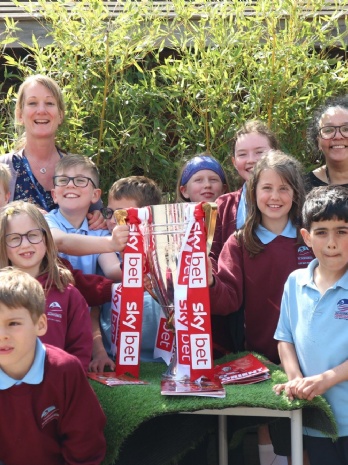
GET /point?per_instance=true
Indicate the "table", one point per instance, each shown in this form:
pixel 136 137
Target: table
pixel 131 409
pixel 295 420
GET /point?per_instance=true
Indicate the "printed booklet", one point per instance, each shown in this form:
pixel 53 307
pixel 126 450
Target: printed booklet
pixel 244 370
pixel 110 379
pixel 200 387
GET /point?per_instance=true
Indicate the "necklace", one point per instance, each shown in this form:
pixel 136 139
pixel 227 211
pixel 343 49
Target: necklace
pixel 43 170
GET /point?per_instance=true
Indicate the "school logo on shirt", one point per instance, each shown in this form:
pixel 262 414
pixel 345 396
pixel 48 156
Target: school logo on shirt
pixel 342 310
pixel 304 256
pixel 49 414
pixel 54 312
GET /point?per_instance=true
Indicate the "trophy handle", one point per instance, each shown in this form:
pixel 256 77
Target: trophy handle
pixel 121 216
pixel 210 210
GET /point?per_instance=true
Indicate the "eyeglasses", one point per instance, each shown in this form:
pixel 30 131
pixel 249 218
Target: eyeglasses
pixel 79 181
pixel 34 236
pixel 329 132
pixel 107 213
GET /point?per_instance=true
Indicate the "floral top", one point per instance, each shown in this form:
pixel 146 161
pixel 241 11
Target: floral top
pixel 28 188
pixel 24 185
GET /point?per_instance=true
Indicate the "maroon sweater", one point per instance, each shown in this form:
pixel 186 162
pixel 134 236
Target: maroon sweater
pixel 56 422
pixel 69 324
pixel 225 223
pixel 259 283
pixel 225 226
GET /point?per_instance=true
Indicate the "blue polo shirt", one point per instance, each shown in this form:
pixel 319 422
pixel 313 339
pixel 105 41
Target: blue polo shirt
pixel 35 373
pixel 317 325
pixel 85 263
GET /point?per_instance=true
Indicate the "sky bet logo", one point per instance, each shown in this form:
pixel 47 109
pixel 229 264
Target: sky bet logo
pixel 129 348
pixel 132 270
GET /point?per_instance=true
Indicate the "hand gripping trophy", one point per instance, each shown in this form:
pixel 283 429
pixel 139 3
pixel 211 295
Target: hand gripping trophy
pixel 176 241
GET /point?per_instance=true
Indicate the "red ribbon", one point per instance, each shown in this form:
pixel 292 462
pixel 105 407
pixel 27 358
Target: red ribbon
pixel 132 302
pixel 198 302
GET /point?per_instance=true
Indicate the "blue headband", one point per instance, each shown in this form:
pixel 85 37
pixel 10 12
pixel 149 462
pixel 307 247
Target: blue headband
pixel 201 162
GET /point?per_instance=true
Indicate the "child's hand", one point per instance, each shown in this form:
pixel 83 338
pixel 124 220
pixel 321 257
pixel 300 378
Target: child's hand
pixel 289 388
pixel 211 280
pixel 312 386
pixel 120 235
pixel 147 283
pixel 100 361
pixel 96 220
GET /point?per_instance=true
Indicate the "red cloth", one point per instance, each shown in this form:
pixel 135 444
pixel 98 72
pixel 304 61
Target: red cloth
pixel 56 422
pixel 69 324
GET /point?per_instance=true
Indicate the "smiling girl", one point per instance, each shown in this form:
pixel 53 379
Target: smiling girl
pixel 202 179
pixel 256 261
pixel 250 142
pixel 27 244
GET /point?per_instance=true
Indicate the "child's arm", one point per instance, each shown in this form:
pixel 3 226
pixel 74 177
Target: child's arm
pixel 96 220
pixel 288 357
pixel 82 421
pixel 76 244
pixel 316 385
pixel 94 288
pixel 100 358
pixel 78 339
pixel 306 387
pixel 110 264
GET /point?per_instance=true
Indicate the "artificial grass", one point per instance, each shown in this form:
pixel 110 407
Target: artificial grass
pixel 140 413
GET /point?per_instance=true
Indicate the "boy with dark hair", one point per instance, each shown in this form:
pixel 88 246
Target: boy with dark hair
pixel 312 329
pixel 43 390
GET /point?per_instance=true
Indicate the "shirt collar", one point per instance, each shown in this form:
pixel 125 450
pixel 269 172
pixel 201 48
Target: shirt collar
pixel 267 236
pixel 35 373
pixel 306 278
pixel 68 226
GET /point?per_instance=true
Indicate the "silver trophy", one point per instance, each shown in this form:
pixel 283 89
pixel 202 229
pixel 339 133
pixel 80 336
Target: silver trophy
pixel 164 231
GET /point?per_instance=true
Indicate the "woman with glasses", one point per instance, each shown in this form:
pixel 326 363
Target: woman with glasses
pixel 39 113
pixel 328 138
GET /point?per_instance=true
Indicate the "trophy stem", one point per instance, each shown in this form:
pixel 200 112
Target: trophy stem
pixel 172 370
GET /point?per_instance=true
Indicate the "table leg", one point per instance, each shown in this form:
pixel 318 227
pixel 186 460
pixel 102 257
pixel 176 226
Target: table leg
pixel 223 440
pixel 296 437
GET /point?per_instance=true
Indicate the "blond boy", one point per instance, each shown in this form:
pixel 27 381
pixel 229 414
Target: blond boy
pixel 5 179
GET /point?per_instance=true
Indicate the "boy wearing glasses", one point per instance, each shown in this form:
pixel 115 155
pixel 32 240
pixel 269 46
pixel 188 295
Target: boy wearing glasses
pixel 130 192
pixel 50 413
pixel 76 183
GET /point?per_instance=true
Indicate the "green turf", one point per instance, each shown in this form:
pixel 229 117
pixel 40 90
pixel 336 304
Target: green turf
pixel 135 411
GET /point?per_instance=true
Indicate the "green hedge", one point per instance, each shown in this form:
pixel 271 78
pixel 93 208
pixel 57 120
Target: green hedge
pixel 144 89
